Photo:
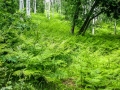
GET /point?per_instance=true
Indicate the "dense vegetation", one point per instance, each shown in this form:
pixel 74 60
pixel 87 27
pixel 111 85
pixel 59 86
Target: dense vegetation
pixel 40 54
pixel 47 56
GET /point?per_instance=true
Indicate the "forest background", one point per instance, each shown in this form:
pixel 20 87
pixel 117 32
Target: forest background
pixel 59 45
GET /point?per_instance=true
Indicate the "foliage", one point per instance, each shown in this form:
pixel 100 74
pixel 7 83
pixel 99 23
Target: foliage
pixel 92 9
pixel 11 18
pixel 12 24
pixel 69 8
pixel 47 57
pixel 7 9
pixel 39 5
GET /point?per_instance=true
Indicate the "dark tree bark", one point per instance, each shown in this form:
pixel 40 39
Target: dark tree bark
pixel 88 19
pixel 76 14
pixel 107 6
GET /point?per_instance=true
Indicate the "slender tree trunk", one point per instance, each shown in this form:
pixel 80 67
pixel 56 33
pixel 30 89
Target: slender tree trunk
pixel 93 24
pixel 49 10
pixel 115 27
pixel 60 6
pixel 21 5
pixel 93 29
pixel 45 8
pixel 73 27
pixel 86 26
pixel 34 2
pixel 75 17
pixel 28 7
pixel 87 21
pixel 85 9
pixel 52 7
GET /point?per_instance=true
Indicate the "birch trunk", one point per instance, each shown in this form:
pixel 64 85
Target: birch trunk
pixel 47 8
pixel 93 24
pixel 60 7
pixel 34 2
pixel 21 5
pixel 115 27
pixel 28 7
pixel 93 29
pixel 52 6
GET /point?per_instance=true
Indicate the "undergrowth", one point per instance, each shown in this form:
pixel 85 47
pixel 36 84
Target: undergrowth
pixel 48 57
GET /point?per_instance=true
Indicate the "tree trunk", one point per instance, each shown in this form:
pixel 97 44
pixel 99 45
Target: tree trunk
pixel 93 24
pixel 86 26
pixel 76 14
pixel 115 27
pixel 60 6
pixel 52 7
pixel 87 21
pixel 28 7
pixel 73 27
pixel 47 8
pixel 34 2
pixel 93 30
pixel 21 5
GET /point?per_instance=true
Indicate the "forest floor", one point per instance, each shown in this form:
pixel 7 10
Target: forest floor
pixel 93 61
pixel 48 57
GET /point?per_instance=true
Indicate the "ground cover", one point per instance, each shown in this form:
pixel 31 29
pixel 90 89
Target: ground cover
pixel 48 57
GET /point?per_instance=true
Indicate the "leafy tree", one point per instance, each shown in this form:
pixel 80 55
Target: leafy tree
pixel 40 6
pixel 8 8
pixel 108 7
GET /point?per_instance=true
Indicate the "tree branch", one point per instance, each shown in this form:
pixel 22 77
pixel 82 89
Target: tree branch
pixel 96 15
